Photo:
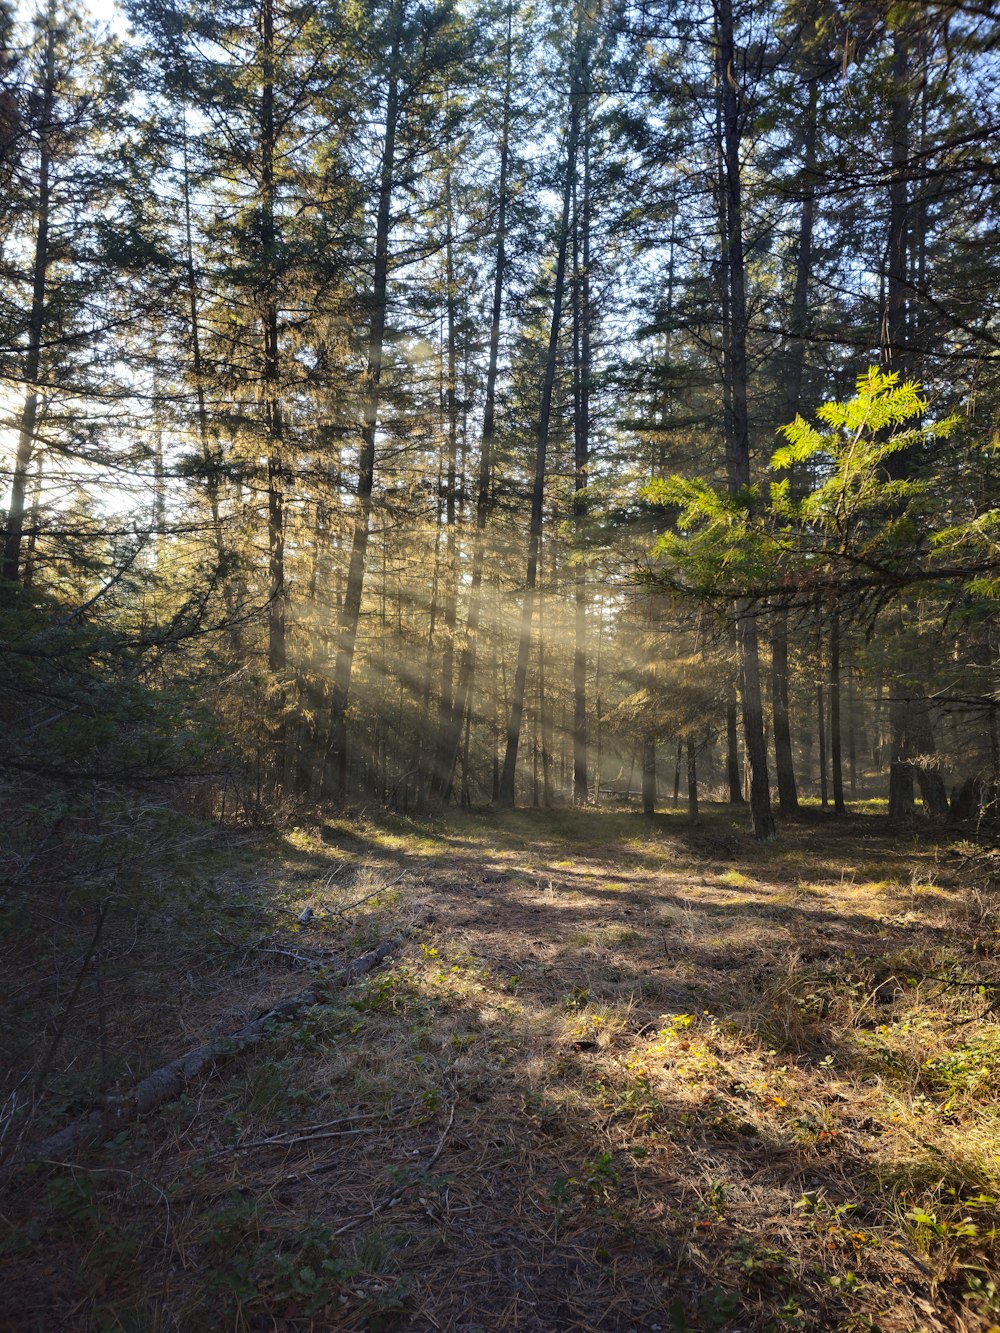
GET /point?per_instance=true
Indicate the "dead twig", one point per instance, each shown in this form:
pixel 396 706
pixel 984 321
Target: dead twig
pixel 391 1200
pixel 50 1054
pixel 283 1142
pixel 349 907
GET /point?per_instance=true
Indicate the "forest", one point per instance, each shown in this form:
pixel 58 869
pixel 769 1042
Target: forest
pixel 500 522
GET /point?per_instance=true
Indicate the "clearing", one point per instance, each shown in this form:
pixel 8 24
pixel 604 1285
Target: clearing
pixel 623 1073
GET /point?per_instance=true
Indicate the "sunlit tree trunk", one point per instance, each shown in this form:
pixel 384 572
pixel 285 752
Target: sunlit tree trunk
pixel 788 799
pixel 507 778
pixel 737 420
pixel 451 732
pixel 450 724
pixel 335 774
pixel 582 317
pixel 734 778
pixel 648 775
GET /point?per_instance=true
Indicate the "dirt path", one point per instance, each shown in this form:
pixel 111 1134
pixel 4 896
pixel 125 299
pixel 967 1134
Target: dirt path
pixel 629 1075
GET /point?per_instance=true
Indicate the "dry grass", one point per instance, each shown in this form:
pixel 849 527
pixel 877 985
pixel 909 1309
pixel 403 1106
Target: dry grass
pixel 630 1076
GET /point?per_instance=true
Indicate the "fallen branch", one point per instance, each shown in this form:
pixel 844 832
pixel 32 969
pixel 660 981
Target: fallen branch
pixel 170 1080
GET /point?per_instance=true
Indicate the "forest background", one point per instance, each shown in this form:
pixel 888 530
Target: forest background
pixel 341 346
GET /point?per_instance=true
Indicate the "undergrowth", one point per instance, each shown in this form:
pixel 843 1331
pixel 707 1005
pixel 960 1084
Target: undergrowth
pixel 623 1075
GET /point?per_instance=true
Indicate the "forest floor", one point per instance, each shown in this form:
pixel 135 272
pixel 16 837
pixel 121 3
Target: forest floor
pixel 625 1073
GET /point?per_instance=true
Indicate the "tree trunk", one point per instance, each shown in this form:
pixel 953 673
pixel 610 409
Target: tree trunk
pixel 581 439
pixel 852 730
pixel 648 775
pixel 449 723
pixel 836 759
pixel 273 413
pixel 928 771
pixel 208 453
pixel 335 775
pixel 692 777
pixel 677 774
pixel 788 797
pixel 506 798
pixel 734 777
pixel 900 767
pixel 894 346
pixel 28 575
pixel 544 720
pixel 737 419
pixel 451 736
pixel 28 420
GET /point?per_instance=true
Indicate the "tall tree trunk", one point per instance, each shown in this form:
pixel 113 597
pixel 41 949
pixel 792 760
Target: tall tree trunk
pixel 734 778
pixel 692 779
pixel 824 788
pixel 582 317
pixel 928 771
pixel 335 775
pixel 506 798
pixel 208 452
pixel 451 734
pixel 836 757
pixel 28 419
pixel 273 411
pixel 677 774
pixel 788 798
pixel 852 729
pixel 648 775
pixel 901 789
pixel 27 577
pixel 544 724
pixel 738 429
pixel 449 723
pixel 894 345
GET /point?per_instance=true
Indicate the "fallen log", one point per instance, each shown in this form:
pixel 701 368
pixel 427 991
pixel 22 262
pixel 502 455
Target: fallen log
pixel 170 1080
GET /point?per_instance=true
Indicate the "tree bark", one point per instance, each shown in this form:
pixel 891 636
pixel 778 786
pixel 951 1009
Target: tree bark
pixel 335 769
pixel 824 789
pixel 648 775
pixel 449 724
pixel 677 775
pixel 451 734
pixel 737 418
pixel 692 780
pixel 836 758
pixel 734 777
pixel 894 346
pixel 581 441
pixel 507 778
pixel 930 779
pixel 273 410
pixel 28 420
pixel 788 797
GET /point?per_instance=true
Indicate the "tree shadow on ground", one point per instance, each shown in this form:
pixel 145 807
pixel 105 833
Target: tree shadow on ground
pixel 577 1101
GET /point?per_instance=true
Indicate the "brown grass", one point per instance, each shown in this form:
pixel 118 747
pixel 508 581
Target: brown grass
pixel 631 1076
